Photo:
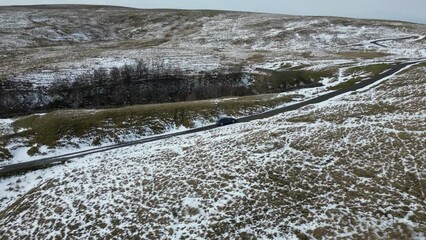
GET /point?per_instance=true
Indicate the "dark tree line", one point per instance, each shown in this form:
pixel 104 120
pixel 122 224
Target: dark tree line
pixel 141 84
pixel 21 98
pixel 119 86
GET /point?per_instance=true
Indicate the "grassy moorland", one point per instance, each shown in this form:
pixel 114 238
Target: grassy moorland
pixel 352 168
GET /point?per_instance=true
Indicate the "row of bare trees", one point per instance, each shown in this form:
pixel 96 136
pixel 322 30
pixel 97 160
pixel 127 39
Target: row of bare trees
pixel 141 83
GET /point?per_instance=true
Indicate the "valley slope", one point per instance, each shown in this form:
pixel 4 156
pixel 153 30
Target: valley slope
pixel 350 167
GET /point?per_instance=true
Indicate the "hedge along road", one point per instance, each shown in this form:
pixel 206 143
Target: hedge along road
pixel 50 161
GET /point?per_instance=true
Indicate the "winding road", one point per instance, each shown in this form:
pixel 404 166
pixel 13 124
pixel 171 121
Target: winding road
pixel 378 42
pixel 18 168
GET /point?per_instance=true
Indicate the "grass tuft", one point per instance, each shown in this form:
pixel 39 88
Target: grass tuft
pixel 5 154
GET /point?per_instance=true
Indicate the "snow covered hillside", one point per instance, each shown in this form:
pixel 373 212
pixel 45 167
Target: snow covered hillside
pixel 351 167
pixel 43 44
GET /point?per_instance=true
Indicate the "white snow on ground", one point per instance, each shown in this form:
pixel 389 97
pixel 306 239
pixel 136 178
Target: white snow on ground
pixel 400 47
pixel 353 167
pixel 386 78
pixel 19 150
pixel 6 126
pixel 195 44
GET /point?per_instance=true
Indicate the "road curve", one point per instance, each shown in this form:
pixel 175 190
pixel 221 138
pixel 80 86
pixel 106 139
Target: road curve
pixel 50 161
pixel 377 42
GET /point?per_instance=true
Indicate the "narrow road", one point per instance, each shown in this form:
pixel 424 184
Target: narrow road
pixel 50 161
pixel 377 42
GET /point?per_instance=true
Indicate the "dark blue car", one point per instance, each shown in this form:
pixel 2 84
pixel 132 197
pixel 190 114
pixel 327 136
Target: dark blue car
pixel 225 121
